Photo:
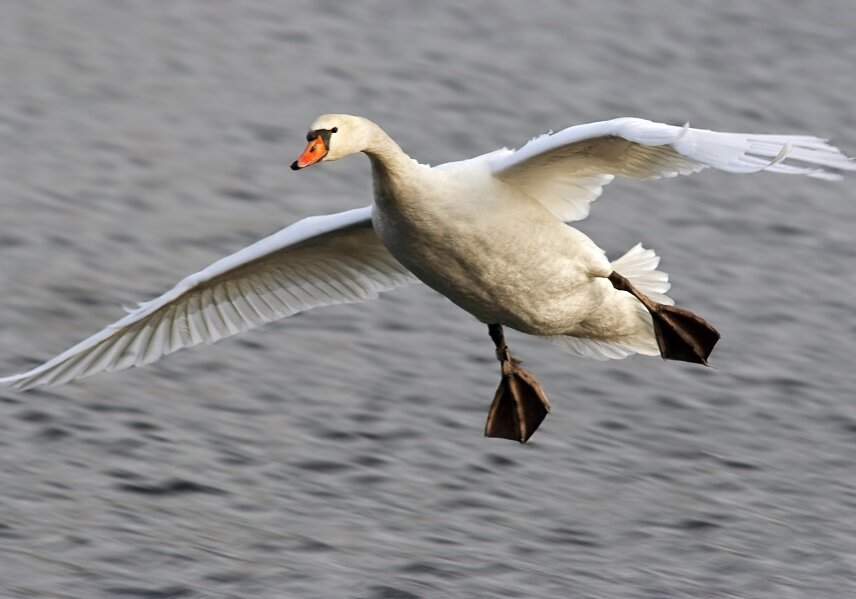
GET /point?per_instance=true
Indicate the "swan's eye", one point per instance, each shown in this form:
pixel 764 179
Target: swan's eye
pixel 334 130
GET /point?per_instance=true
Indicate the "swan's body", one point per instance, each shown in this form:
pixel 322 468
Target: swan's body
pixel 489 233
pixel 484 245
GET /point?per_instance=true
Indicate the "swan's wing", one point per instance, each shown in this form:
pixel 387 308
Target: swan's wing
pixel 317 261
pixel 567 170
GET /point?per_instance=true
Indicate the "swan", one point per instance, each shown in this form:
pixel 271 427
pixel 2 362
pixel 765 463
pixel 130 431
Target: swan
pixel 490 233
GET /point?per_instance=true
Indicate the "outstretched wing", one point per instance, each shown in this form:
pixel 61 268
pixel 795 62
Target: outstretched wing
pixel 317 261
pixel 566 171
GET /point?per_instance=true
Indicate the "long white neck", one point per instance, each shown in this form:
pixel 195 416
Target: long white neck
pixel 393 171
pixel 387 157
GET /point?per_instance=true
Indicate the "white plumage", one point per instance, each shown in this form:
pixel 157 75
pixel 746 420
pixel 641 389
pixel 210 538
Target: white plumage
pixel 487 232
pixel 317 261
pixel 567 170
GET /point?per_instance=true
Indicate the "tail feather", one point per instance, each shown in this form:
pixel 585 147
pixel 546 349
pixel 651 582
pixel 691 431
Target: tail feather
pixel 640 266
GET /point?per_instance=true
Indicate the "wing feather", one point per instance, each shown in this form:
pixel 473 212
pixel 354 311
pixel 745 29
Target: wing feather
pixel 567 170
pixel 318 261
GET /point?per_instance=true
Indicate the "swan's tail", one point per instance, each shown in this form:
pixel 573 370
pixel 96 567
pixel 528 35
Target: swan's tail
pixel 640 267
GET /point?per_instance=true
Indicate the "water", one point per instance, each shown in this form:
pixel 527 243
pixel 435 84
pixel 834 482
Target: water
pixel 340 453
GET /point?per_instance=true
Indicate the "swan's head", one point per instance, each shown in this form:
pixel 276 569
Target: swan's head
pixel 334 136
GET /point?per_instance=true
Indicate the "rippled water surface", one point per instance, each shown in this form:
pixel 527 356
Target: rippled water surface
pixel 340 453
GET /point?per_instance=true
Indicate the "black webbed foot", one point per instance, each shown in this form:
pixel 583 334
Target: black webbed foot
pixel 681 335
pixel 519 405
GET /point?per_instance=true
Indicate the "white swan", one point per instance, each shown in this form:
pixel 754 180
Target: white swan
pixel 489 233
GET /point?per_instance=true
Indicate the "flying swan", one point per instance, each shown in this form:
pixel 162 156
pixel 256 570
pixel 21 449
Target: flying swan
pixel 489 233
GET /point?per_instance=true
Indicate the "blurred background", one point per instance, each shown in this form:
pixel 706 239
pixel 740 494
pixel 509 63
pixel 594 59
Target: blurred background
pixel 340 453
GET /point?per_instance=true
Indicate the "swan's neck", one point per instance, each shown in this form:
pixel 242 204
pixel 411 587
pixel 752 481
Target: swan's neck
pixel 387 157
pixel 394 173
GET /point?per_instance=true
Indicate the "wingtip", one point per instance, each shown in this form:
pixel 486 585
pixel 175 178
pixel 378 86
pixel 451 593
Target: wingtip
pixel 826 175
pixel 11 382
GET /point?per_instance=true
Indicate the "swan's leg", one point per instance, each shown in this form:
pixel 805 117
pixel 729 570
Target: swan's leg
pixel 519 405
pixel 681 335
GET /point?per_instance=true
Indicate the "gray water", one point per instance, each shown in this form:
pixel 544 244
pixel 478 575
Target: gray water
pixel 339 454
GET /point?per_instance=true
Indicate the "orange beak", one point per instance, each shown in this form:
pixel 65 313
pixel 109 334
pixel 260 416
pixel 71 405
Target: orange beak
pixel 315 150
